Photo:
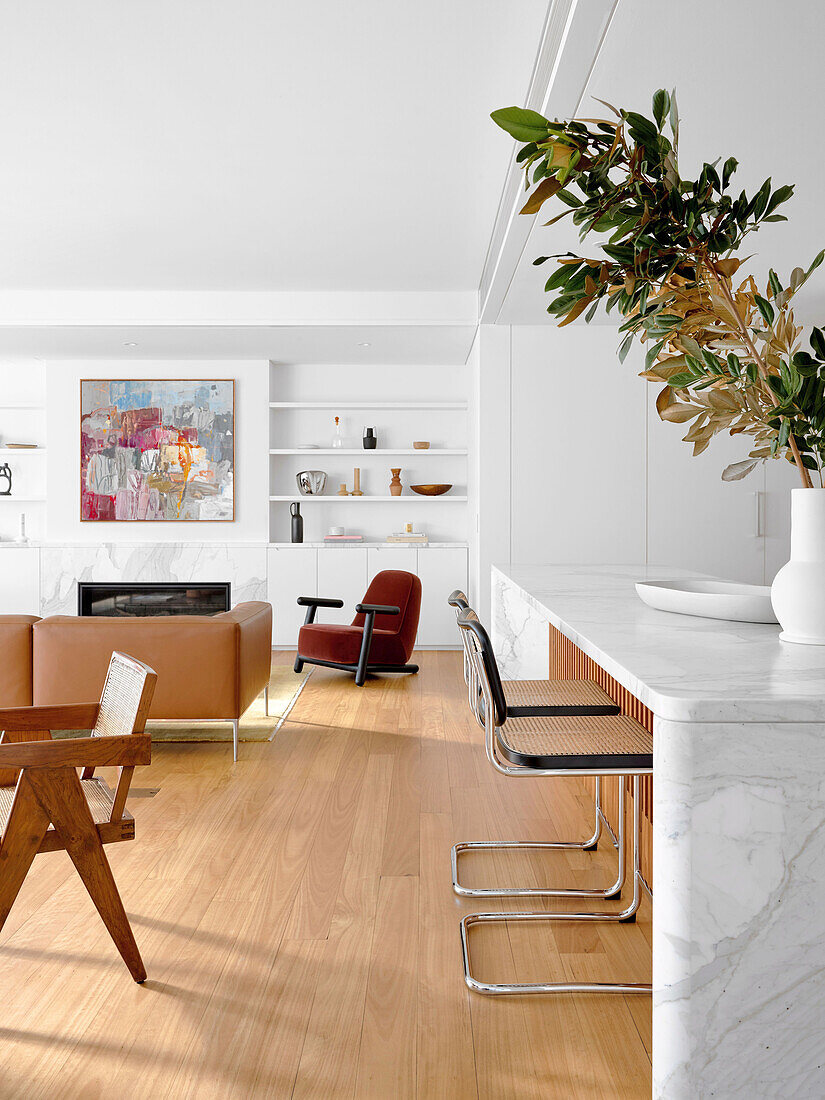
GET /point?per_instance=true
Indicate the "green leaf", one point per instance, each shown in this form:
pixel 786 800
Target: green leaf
pixel 780 195
pixel 661 106
pixel 674 116
pixel 521 123
pixel 765 308
pixel 728 168
pixel 775 218
pixel 625 346
pixel 653 353
pixel 560 277
pixel 818 342
pixel 816 262
pixel 773 279
pixel 681 381
pixel 760 200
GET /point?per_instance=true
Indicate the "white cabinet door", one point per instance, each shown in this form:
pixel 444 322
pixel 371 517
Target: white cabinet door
pixel 19 580
pixel 291 572
pixel 342 575
pixel 391 557
pixel 441 570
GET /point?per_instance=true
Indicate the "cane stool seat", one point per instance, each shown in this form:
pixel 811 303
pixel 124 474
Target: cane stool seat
pixel 526 697
pixel 597 741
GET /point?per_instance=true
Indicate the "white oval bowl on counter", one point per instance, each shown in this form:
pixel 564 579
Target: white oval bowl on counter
pixel 743 603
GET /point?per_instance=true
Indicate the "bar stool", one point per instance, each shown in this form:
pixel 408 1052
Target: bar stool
pixel 536 698
pixel 524 698
pixel 557 746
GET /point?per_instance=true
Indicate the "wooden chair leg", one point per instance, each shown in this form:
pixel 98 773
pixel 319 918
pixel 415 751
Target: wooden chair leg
pixel 25 829
pixel 59 790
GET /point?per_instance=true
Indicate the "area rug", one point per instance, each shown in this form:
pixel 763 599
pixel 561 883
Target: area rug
pixel 284 688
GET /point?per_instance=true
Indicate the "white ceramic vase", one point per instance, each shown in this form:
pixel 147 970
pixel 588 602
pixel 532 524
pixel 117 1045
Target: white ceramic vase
pixel 798 591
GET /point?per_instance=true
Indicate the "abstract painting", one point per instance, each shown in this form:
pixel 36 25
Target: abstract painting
pixel 157 450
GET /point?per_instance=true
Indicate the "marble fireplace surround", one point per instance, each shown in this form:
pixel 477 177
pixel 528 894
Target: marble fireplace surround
pixel 243 565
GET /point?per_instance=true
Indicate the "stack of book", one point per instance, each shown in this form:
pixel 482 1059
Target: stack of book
pixel 408 538
pixel 342 540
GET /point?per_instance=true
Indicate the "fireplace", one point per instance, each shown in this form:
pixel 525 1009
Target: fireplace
pixel 124 600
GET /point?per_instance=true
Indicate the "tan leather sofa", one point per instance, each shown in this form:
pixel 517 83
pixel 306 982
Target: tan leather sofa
pixel 209 667
pixel 16 660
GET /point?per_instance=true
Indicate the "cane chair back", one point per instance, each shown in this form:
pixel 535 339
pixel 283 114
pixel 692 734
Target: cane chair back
pixel 124 708
pixel 124 702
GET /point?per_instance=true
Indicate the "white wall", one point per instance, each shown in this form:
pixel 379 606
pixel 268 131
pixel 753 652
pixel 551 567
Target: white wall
pixel 577 466
pixel 251 445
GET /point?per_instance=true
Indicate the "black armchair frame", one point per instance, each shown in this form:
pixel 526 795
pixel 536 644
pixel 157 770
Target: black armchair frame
pixel 369 611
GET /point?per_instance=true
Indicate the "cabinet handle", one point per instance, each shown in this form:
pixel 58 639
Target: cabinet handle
pixel 758 514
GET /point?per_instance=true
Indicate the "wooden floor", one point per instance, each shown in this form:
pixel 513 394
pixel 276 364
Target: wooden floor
pixel 296 918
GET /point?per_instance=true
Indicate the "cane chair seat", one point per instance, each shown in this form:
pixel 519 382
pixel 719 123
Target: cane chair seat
pixel 597 741
pixel 98 796
pixel 522 696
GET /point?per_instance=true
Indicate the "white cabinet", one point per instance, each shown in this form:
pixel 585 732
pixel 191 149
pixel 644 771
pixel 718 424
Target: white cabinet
pixel 19 580
pixel 291 572
pixel 441 569
pixel 391 557
pixel 345 572
pixel 342 575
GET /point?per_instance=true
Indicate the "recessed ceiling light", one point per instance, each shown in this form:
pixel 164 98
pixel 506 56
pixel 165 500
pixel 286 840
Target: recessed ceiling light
pixel 365 345
pixel 130 344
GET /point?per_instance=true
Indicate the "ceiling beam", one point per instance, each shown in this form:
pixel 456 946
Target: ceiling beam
pixel 571 41
pixel 236 308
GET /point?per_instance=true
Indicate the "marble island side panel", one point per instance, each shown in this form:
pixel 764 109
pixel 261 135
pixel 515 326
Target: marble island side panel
pixel 738 823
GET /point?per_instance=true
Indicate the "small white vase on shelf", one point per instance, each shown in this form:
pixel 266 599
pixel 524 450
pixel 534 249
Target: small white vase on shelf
pixel 798 590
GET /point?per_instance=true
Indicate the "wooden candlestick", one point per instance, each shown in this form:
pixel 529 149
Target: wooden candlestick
pixel 356 482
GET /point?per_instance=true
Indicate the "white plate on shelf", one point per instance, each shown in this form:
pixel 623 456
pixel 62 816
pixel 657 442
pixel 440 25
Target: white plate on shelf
pixel 741 603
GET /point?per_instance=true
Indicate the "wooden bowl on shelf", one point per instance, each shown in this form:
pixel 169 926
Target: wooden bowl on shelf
pixel 431 490
pixel 421 444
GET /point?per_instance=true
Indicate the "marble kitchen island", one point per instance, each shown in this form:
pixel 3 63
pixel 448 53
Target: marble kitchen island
pixel 738 721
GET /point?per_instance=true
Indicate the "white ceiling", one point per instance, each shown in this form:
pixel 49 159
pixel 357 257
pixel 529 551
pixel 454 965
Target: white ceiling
pixel 750 83
pixel 398 345
pixel 255 144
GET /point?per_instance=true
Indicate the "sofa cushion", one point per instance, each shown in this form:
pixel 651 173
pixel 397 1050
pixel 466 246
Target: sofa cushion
pixel 16 666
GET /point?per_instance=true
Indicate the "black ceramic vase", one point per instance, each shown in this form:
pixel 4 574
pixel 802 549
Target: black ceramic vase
pixel 297 522
pixel 369 439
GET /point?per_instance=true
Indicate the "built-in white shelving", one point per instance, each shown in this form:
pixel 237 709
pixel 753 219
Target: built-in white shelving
pixel 368 404
pixel 333 498
pixel 308 451
pixel 23 420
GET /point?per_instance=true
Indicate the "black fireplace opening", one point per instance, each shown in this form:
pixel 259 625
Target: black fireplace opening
pixel 129 600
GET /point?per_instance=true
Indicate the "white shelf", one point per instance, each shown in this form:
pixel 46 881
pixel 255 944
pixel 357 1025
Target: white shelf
pixel 368 404
pixel 333 498
pixel 367 454
pixel 370 544
pixel 21 450
pixel 4 407
pixel 21 500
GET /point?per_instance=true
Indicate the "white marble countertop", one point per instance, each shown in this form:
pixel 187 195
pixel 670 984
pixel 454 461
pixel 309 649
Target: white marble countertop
pixel 682 667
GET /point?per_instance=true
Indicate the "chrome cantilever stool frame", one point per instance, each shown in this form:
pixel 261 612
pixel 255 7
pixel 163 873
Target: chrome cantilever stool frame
pixel 458 600
pixel 494 721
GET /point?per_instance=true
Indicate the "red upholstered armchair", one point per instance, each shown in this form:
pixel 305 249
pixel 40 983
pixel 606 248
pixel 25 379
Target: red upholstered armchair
pixel 379 639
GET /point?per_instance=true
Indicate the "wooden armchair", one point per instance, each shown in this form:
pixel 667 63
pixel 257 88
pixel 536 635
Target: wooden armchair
pixel 45 806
